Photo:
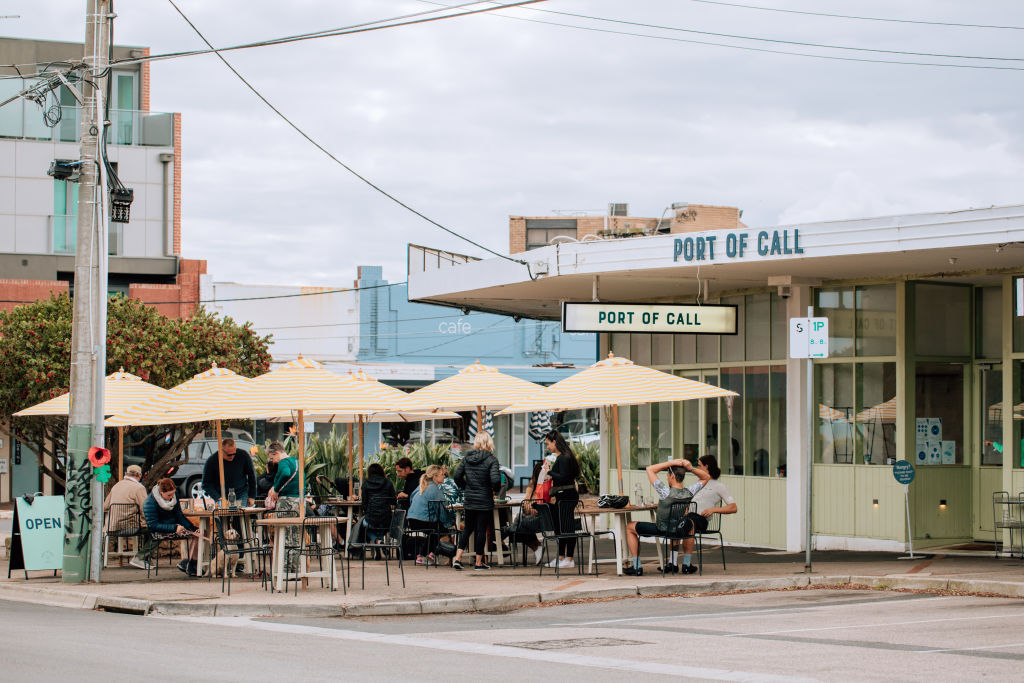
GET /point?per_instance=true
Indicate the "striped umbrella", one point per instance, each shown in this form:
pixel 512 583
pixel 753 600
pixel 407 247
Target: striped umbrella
pixel 995 412
pixel 828 413
pixel 121 390
pixel 614 382
pixel 488 424
pixel 472 388
pixel 884 413
pixel 540 424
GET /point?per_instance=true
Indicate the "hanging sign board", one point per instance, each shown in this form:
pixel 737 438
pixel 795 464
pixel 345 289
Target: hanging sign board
pixel 808 337
pixel 649 318
pixel 37 535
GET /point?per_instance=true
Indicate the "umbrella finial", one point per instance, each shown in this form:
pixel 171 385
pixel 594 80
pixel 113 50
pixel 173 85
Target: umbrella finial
pixel 121 369
pixel 611 355
pixel 213 364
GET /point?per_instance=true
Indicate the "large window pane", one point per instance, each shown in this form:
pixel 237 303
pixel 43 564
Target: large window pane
pixel 732 344
pixel 939 391
pixel 988 312
pixel 834 431
pixel 778 407
pixel 757 403
pixel 730 457
pixel 991 446
pixel 838 306
pixel 780 327
pixel 876 413
pixel 876 320
pixel 1016 448
pixel 942 321
pixel 711 422
pixel 758 327
pixel 690 426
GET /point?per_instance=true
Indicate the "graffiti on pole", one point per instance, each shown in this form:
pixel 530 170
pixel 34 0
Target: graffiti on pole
pixel 78 513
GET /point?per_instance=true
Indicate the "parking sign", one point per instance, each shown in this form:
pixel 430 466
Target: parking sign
pixel 808 337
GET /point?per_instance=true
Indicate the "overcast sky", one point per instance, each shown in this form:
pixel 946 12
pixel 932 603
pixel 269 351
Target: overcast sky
pixel 472 119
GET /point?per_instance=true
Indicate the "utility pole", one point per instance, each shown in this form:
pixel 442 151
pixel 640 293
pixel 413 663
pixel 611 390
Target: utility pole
pixel 84 494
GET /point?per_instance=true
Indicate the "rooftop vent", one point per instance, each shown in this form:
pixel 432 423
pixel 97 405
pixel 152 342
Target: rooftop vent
pixel 618 209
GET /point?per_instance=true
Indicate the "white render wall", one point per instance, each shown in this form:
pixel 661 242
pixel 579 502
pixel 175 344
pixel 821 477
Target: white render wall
pixel 26 195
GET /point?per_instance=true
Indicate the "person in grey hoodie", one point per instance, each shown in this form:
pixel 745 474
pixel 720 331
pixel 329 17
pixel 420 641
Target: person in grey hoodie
pixel 479 477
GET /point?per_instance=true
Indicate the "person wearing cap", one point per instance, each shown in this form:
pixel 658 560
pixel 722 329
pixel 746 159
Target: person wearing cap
pixel 129 491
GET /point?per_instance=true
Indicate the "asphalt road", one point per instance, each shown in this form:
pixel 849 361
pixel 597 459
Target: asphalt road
pixel 808 635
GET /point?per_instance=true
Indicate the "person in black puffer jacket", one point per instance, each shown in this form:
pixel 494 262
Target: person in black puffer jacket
pixel 378 499
pixel 479 477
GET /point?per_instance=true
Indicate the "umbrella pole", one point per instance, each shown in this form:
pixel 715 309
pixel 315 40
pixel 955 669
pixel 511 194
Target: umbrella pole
pixel 351 474
pixel 120 453
pixel 302 466
pixel 362 433
pixel 479 419
pixel 220 466
pixel 618 451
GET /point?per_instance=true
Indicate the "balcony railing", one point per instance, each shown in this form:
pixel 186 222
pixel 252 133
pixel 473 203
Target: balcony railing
pixel 24 119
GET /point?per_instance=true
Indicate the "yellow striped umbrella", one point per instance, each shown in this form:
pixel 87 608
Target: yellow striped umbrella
pixel 121 390
pixel 995 412
pixel 613 382
pixel 885 413
pixel 829 414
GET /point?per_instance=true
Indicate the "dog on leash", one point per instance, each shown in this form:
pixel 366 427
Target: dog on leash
pixel 227 561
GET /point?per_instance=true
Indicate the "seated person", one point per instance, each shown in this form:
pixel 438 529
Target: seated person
pixel 712 498
pixel 674 492
pixel 378 498
pixel 452 493
pixel 405 470
pixel 166 520
pixel 426 511
pixel 526 526
pixel 129 491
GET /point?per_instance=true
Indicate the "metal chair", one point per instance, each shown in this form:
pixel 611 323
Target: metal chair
pixel 714 529
pixel 592 535
pixel 391 540
pixel 676 515
pixel 312 546
pixel 1008 513
pixel 242 547
pixel 439 510
pixel 123 521
pixel 569 525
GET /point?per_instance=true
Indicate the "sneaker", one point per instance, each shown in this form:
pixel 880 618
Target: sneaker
pixel 139 563
pixel 671 568
pixel 633 571
pixel 481 567
pixel 553 563
pixel 566 563
pixel 456 565
pixel 687 569
pixel 431 557
pixel 538 555
pixel 183 566
pixel 420 560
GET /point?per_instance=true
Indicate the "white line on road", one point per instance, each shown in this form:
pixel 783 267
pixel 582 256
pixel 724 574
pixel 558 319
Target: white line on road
pixel 728 615
pixel 490 650
pixel 874 625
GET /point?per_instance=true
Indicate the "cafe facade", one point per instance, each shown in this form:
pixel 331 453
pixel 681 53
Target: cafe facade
pixel 925 363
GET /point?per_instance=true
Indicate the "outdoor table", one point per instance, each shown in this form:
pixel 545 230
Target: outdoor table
pixel 205 536
pixel 507 505
pixel 279 525
pixel 618 519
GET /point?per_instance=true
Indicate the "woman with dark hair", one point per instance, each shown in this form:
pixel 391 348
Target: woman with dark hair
pixel 713 498
pixel 564 495
pixel 378 499
pixel 526 526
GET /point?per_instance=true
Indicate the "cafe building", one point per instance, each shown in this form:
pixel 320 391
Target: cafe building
pixel 925 353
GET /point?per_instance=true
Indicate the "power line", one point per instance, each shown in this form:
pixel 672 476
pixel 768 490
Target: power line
pixel 365 27
pixel 748 48
pixel 859 18
pixel 773 40
pixel 338 161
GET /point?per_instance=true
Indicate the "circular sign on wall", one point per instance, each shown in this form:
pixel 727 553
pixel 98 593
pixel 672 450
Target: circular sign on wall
pixel 903 471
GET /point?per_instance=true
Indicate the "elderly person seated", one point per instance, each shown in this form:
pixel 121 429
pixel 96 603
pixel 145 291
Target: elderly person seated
pixel 166 520
pixel 128 491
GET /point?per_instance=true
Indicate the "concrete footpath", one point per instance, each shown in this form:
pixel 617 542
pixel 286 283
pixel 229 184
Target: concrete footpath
pixel 443 590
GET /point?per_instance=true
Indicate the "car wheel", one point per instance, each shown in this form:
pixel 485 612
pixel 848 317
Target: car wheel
pixel 194 487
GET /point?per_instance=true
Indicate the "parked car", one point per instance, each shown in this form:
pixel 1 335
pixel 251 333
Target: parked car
pixel 579 430
pixel 188 477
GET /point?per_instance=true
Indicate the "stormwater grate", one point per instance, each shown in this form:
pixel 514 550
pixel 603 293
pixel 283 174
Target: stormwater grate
pixel 572 643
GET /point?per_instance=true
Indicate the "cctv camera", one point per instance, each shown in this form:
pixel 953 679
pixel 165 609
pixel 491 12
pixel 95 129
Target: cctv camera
pixel 785 291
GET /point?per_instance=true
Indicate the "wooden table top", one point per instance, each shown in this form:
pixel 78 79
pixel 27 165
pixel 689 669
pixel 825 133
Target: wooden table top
pixel 223 512
pixel 295 521
pixel 341 502
pixel 629 508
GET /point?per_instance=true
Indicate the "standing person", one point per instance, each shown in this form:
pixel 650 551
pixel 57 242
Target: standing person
pixel 713 498
pixel 129 491
pixel 479 477
pixel 563 475
pixel 239 474
pixel 166 520
pixel 286 493
pixel 405 470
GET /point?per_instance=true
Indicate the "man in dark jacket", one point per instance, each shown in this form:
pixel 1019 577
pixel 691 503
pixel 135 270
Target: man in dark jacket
pixel 479 477
pixel 238 474
pixel 405 470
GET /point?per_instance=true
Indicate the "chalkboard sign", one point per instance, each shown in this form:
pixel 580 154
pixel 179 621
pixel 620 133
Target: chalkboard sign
pixel 37 536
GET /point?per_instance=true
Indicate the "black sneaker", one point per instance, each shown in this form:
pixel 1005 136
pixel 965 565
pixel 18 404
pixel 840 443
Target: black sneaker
pixel 671 568
pixel 687 569
pixel 456 565
pixel 633 571
pixel 481 567
pixel 183 566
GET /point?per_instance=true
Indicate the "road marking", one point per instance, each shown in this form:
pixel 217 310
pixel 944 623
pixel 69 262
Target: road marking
pixel 968 649
pixel 568 585
pixel 875 625
pixel 727 615
pixel 489 650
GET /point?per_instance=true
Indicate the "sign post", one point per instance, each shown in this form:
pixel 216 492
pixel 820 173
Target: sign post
pixel 37 534
pixel 808 338
pixel 903 472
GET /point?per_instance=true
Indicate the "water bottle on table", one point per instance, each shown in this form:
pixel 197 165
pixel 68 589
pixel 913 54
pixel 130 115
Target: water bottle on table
pixel 231 498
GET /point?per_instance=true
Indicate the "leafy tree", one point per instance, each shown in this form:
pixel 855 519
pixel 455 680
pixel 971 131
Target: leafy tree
pixel 35 343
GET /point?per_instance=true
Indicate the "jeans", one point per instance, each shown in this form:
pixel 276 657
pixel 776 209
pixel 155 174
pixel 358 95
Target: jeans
pixel 292 534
